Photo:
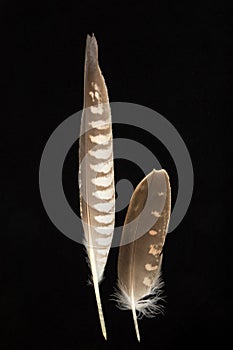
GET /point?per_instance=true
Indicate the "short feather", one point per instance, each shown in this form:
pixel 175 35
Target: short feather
pixel 140 254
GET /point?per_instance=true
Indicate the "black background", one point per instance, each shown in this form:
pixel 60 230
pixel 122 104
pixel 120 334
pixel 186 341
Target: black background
pixel 174 57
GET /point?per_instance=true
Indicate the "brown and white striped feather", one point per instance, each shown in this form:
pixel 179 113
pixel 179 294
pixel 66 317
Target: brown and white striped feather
pixel 96 172
pixel 139 262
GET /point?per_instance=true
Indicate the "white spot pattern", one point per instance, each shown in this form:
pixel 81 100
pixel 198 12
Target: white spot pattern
pixel 153 232
pixel 101 259
pixel 104 167
pixel 104 241
pixel 147 282
pixel 103 181
pixel 101 153
pixel 155 213
pixel 104 207
pixel 104 219
pixel 105 194
pixel 97 109
pixel 101 139
pixel 161 194
pixel 149 267
pixel 99 124
pixel 105 230
pixel 102 252
pixel 92 96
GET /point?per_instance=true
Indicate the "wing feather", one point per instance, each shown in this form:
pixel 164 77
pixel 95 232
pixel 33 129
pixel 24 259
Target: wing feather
pixel 139 262
pixel 96 172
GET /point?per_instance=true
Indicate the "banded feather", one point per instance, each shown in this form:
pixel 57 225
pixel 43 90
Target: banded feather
pixel 96 174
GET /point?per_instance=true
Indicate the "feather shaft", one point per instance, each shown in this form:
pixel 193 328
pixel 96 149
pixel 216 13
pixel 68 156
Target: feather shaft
pixel 97 292
pixel 135 318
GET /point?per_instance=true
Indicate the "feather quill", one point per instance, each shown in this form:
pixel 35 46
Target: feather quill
pixel 96 172
pixel 139 262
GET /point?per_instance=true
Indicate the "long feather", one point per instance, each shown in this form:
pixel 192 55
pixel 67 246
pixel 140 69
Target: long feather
pixel 139 262
pixel 96 173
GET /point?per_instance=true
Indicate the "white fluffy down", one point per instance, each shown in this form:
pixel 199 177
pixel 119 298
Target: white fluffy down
pixel 148 306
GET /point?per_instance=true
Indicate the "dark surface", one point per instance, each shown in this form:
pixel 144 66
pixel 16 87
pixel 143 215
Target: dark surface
pixel 174 58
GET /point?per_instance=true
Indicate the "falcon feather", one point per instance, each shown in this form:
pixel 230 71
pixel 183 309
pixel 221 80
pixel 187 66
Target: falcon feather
pixel 96 172
pixel 140 253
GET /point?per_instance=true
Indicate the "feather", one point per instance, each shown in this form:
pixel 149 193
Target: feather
pixel 96 172
pixel 139 262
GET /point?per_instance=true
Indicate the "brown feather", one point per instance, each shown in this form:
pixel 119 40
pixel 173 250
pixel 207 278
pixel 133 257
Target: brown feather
pixel 96 173
pixel 139 262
